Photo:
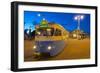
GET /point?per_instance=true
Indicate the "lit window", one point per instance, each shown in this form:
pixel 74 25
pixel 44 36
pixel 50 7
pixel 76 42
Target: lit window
pixel 74 35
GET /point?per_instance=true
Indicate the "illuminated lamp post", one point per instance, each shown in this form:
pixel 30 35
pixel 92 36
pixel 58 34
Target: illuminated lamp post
pixel 78 18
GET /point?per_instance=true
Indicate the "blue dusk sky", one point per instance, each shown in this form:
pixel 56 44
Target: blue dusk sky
pixel 65 19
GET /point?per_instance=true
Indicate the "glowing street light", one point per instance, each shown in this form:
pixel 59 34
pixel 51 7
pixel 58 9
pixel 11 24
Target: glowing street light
pixel 38 15
pixel 82 17
pixel 78 18
pixel 43 18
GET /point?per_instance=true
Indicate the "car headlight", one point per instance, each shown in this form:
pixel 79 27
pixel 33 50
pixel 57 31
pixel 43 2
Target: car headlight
pixel 49 47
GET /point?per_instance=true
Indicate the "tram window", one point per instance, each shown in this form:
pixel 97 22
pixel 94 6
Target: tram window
pixel 52 32
pixel 57 32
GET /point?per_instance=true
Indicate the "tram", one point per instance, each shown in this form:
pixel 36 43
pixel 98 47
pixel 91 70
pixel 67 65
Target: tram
pixel 50 39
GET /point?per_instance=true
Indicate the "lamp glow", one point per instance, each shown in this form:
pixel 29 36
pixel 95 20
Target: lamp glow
pixel 34 47
pixel 43 18
pixel 76 18
pixel 74 35
pixel 49 47
pixel 82 17
pixel 39 15
pixel 79 17
pixel 39 33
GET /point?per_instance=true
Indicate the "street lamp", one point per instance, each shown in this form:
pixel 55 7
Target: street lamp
pixel 78 18
pixel 44 19
pixel 38 15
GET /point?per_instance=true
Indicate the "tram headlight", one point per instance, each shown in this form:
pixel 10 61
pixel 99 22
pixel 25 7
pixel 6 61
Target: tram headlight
pixel 49 47
pixel 34 47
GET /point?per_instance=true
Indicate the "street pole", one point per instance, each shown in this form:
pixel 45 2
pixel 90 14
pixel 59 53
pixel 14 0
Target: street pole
pixel 78 18
pixel 78 28
pixel 78 24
